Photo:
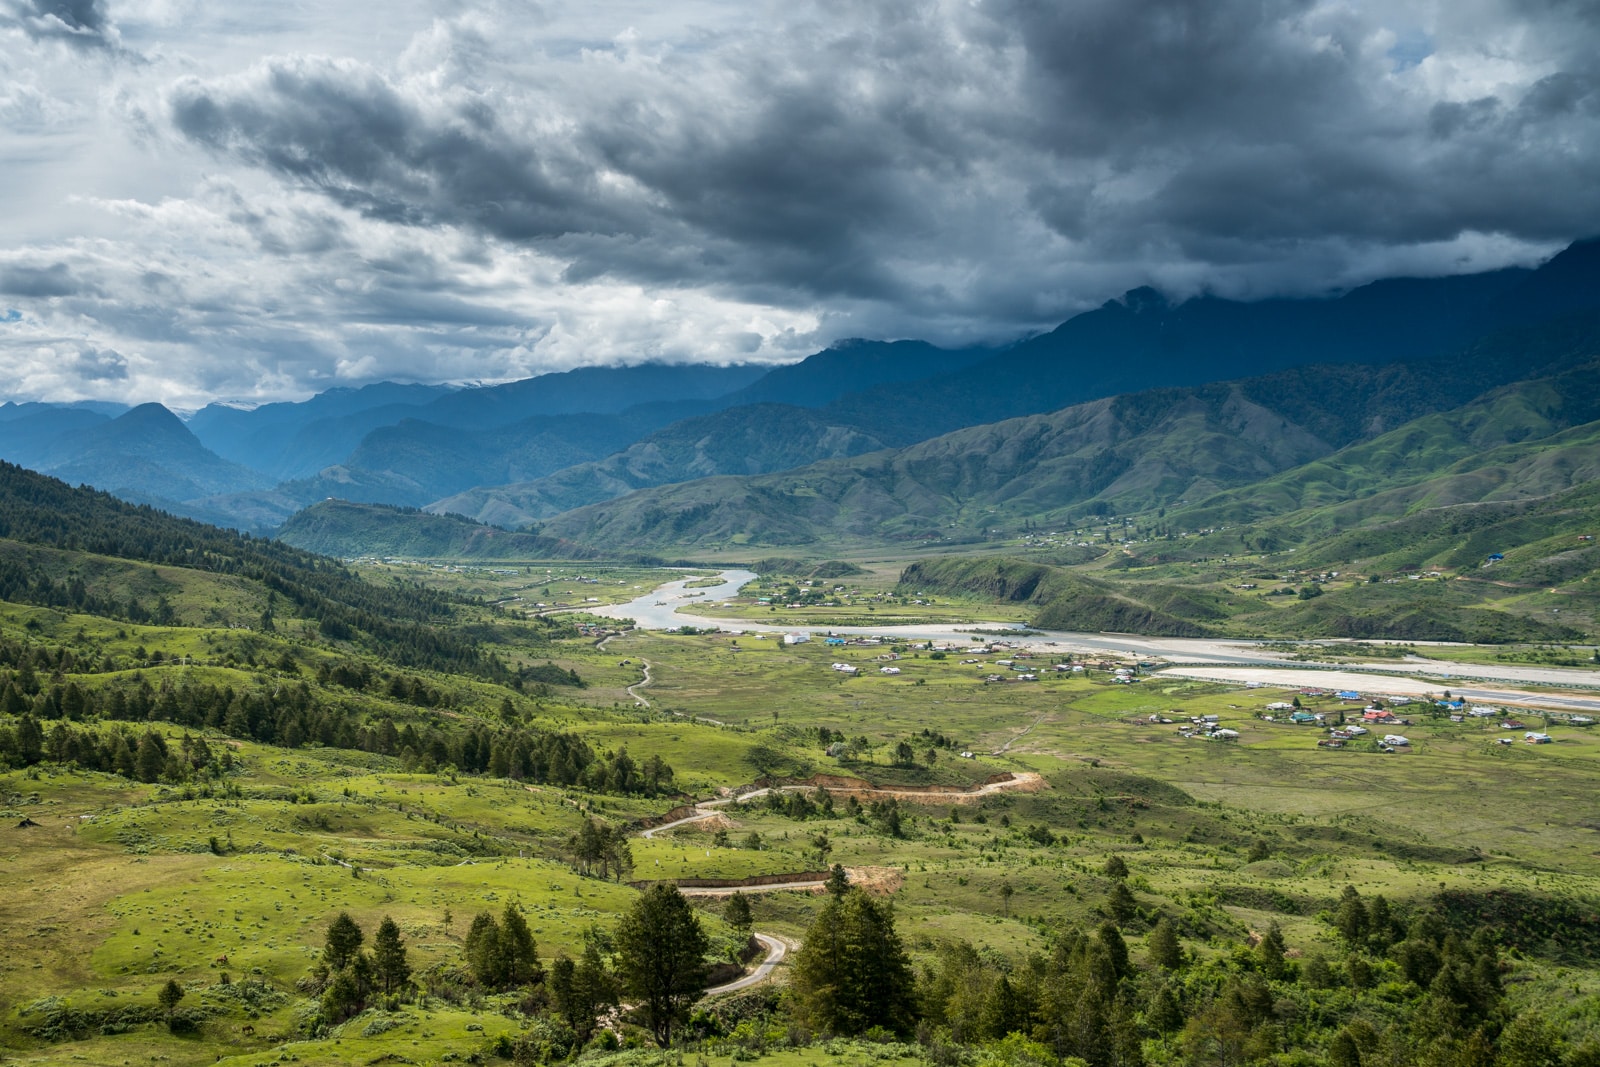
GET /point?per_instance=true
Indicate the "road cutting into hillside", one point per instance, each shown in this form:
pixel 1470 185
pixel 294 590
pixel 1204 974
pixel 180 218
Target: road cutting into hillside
pixel 1020 781
pixel 776 951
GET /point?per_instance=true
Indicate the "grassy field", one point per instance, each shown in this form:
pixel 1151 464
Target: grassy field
pixel 119 885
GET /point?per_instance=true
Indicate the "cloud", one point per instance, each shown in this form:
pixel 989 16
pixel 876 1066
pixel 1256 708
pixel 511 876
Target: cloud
pixel 272 201
pixel 38 282
pixel 840 155
pixel 95 365
pixel 81 23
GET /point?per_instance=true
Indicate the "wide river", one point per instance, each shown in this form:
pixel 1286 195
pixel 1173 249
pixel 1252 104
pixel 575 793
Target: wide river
pixel 1215 658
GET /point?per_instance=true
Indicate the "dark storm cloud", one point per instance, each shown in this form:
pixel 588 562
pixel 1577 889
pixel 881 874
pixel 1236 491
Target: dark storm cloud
pixel 84 23
pixel 54 280
pixel 825 159
pixel 348 131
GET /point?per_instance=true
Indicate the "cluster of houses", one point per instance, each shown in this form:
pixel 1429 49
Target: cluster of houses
pixel 1206 727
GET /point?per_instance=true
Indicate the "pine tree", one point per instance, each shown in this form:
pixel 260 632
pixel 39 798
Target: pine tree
pixel 519 955
pixel 169 995
pixel 1116 867
pixel 737 913
pixel 389 963
pixel 661 955
pixel 1121 903
pixel 150 761
pixel 852 972
pixel 122 760
pixel 1163 1012
pixel 1163 946
pixel 1351 918
pixel 582 990
pixel 1270 953
pixel 1343 1051
pixel 1116 949
pixel 343 942
pixel 482 949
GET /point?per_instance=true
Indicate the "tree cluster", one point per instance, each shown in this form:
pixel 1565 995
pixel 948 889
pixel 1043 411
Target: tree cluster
pixel 294 715
pixel 349 977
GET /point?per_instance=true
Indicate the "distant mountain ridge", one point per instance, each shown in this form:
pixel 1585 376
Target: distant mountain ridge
pixel 750 439
pixel 146 453
pixel 337 528
pixel 1160 448
pixel 529 450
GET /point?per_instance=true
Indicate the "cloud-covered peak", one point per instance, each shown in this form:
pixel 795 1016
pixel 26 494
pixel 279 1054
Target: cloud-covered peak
pixel 307 200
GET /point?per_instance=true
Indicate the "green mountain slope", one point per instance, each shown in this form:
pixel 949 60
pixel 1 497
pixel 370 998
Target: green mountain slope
pixel 752 439
pixel 339 528
pixel 1066 600
pixel 45 523
pixel 1524 440
pixel 1145 451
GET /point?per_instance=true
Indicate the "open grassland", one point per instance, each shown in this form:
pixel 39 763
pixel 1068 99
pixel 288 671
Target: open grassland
pixel 227 884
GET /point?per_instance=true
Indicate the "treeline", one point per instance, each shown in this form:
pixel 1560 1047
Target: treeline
pixel 407 624
pixel 290 716
pixel 1400 990
pixel 146 757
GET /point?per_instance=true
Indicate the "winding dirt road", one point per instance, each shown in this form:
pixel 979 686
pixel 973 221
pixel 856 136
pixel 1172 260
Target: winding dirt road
pixel 641 701
pixel 776 951
pixel 705 809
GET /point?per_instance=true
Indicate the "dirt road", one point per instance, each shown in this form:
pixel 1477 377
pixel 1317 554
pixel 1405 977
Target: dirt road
pixel 776 951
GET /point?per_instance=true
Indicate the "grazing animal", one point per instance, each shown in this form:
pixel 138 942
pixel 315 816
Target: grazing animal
pixel 222 961
pixel 248 1030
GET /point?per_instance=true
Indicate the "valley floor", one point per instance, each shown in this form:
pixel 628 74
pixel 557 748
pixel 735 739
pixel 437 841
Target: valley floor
pixel 227 883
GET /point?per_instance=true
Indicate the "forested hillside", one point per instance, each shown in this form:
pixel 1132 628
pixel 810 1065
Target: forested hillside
pixel 409 625
pixel 337 528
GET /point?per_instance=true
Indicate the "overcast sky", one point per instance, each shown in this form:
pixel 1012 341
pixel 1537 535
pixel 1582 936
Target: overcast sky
pixel 245 201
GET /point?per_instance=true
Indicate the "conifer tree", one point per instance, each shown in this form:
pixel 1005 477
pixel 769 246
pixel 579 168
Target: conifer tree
pixel 852 972
pixel 1163 946
pixel 343 942
pixel 737 913
pixel 389 964
pixel 482 949
pixel 661 955
pixel 519 955
pixel 1270 953
pixel 150 761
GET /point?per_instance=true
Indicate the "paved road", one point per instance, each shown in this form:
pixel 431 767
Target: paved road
pixel 776 950
pixel 1393 684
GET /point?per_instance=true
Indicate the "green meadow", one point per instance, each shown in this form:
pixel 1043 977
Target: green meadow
pixel 226 882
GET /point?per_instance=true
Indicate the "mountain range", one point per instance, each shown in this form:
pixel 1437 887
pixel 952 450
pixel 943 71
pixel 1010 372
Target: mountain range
pixel 1139 403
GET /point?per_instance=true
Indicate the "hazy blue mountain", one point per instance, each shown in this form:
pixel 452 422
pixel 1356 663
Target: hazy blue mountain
pixel 28 430
pixel 12 409
pixel 147 452
pixel 851 366
pixel 599 390
pixel 296 439
pixel 751 439
pixel 416 462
